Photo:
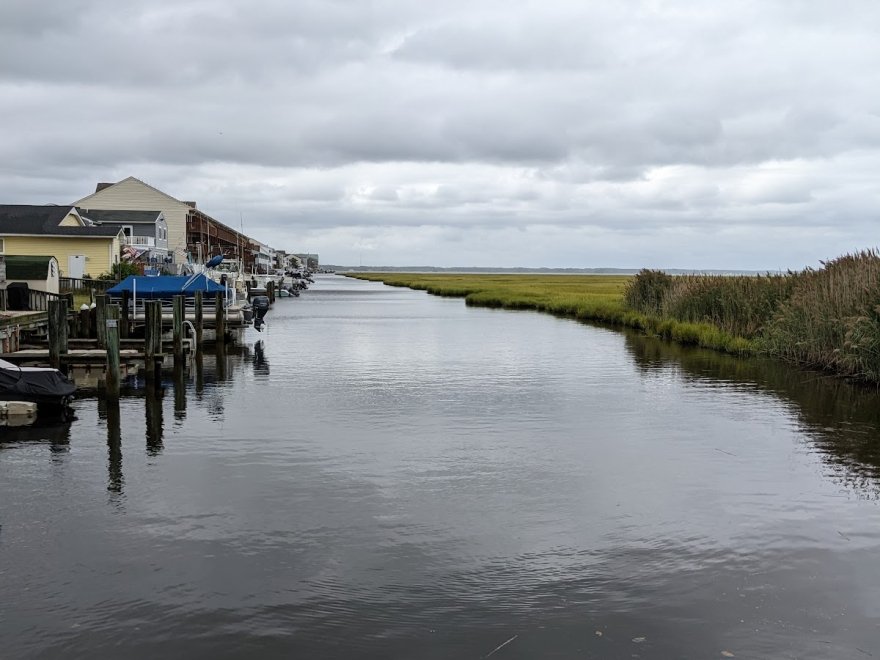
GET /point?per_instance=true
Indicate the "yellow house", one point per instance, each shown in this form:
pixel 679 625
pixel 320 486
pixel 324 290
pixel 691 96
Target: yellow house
pixel 59 231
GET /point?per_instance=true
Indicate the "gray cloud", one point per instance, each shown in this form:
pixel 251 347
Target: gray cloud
pixel 631 127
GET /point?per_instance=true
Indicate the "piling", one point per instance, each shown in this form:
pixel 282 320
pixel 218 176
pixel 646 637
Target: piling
pixel 101 319
pixel 270 291
pixel 219 319
pixel 152 338
pixel 125 323
pixel 177 331
pixel 199 298
pixel 57 331
pixel 111 341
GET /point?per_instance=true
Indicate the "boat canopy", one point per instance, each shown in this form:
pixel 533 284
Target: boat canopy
pixel 166 286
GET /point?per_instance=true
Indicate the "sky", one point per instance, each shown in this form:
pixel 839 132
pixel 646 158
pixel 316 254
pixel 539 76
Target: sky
pixel 576 134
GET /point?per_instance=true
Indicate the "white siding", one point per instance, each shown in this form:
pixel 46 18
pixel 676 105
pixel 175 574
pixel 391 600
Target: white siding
pixel 133 195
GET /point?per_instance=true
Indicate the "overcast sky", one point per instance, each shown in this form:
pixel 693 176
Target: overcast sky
pixel 464 132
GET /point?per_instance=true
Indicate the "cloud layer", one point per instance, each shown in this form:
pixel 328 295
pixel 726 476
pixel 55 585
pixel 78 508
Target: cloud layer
pixel 679 134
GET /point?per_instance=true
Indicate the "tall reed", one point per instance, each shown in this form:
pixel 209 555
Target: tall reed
pixel 832 318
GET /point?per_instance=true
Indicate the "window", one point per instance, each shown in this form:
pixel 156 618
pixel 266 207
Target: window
pixel 2 245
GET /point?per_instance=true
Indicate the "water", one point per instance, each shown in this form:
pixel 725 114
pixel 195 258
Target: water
pixel 395 475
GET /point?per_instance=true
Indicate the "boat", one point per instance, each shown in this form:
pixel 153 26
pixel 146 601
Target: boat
pixel 41 385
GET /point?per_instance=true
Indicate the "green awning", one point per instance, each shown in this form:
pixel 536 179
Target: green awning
pixel 27 268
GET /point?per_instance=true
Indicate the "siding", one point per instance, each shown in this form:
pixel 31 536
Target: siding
pixel 133 195
pixel 98 250
pixel 70 220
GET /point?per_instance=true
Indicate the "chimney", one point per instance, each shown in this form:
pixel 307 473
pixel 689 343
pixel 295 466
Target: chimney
pixel 101 186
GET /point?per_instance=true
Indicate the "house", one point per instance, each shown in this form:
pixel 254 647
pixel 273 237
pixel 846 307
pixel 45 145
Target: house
pixel 59 231
pixel 191 233
pixel 145 232
pixel 40 273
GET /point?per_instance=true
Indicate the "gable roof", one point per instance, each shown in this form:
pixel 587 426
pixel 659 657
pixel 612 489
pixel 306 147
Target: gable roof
pixel 101 187
pixel 27 268
pixel 121 217
pixel 34 220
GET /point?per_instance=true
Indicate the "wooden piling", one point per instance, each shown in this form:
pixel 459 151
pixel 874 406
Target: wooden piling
pixel 270 291
pixel 199 303
pixel 111 341
pixel 125 322
pixel 101 319
pixel 219 319
pixel 177 330
pixel 152 339
pixel 57 331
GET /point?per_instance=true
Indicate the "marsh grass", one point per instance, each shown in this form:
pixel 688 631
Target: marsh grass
pixel 598 298
pixel 832 318
pixel 827 318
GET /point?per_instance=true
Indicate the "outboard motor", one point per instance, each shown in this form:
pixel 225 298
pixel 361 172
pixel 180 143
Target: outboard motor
pixel 260 305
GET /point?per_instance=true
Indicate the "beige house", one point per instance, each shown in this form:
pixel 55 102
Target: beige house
pixel 190 231
pixel 132 194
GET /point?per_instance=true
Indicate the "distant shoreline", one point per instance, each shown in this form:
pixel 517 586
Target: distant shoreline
pixel 475 270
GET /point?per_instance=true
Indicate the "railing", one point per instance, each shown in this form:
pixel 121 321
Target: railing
pixel 149 241
pixel 38 301
pixel 74 284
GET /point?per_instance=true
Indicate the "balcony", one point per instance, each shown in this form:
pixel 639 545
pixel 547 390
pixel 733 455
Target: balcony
pixel 140 241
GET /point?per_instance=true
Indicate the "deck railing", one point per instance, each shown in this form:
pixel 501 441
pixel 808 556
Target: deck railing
pixel 74 284
pixel 38 301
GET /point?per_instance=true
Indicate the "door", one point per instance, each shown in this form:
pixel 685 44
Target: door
pixel 76 266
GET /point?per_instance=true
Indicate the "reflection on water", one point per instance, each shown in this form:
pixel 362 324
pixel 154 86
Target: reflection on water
pixel 416 478
pixel 840 418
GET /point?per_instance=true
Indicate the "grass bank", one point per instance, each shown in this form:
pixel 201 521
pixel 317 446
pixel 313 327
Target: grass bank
pixel 827 318
pixel 584 297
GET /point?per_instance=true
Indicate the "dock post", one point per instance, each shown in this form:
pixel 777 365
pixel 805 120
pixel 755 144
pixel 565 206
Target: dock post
pixel 199 303
pixel 111 338
pixel 152 309
pixel 219 319
pixel 81 323
pixel 57 331
pixel 270 290
pixel 101 319
pixel 124 326
pixel 177 330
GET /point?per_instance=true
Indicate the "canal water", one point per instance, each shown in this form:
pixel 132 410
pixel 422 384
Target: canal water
pixel 388 474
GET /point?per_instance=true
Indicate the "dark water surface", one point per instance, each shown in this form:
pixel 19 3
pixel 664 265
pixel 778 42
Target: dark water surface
pixel 395 475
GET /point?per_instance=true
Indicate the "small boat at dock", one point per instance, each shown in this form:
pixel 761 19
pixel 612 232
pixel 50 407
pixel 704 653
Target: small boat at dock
pixel 41 385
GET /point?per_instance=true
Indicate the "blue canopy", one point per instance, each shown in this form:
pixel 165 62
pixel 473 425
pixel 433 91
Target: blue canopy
pixel 166 286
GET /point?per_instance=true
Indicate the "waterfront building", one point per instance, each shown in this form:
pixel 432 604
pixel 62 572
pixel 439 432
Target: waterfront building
pixel 80 248
pixel 145 233
pixel 192 234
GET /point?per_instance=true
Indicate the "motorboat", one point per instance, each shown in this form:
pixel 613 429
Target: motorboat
pixel 260 306
pixel 41 385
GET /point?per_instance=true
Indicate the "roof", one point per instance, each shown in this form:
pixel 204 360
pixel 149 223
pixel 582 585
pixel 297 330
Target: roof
pixel 164 286
pixel 27 268
pixel 42 220
pixel 120 217
pixel 31 219
pixel 101 187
